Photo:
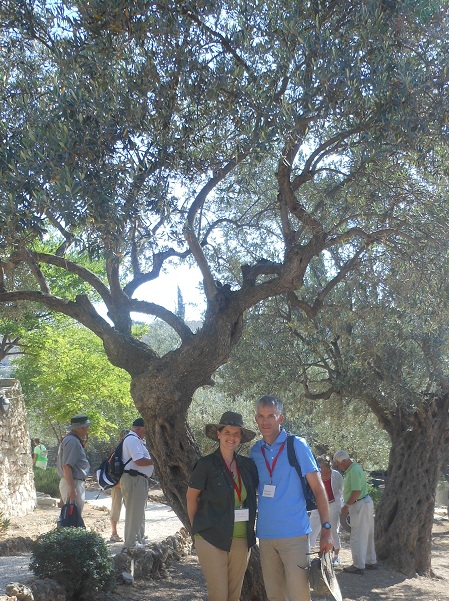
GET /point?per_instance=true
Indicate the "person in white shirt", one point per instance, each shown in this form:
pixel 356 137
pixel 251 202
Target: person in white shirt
pixel 135 483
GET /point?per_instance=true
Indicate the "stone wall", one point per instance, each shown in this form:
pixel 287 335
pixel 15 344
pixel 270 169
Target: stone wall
pixel 17 491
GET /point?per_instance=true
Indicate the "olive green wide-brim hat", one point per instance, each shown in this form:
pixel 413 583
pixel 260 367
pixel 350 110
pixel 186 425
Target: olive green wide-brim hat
pixel 229 418
pixel 79 421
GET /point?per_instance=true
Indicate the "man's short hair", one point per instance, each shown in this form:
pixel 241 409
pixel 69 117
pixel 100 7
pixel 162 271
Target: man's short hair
pixel 269 400
pixel 341 455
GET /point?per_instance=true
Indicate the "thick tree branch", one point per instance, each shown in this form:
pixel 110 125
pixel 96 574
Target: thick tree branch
pixel 287 193
pixel 81 309
pixel 158 262
pixel 82 272
pixel 183 331
pixel 30 259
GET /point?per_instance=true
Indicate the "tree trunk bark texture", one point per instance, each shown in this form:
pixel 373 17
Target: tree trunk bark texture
pixel 170 441
pixel 404 517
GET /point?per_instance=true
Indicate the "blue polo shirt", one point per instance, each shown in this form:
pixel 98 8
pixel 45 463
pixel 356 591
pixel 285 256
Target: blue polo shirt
pixel 284 515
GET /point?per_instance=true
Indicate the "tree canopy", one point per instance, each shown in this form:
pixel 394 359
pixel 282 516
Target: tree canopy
pixel 132 134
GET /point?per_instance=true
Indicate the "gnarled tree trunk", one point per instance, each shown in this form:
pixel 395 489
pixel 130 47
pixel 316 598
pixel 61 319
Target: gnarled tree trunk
pixel 404 517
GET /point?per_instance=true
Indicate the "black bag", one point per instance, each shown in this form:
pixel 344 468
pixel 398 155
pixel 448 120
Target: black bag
pixel 293 461
pixel 111 469
pixel 70 517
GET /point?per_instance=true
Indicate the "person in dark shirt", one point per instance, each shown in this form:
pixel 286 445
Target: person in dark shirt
pixel 221 504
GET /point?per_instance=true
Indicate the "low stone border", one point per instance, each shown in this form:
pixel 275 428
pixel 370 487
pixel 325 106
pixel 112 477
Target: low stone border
pixel 152 561
pixel 15 546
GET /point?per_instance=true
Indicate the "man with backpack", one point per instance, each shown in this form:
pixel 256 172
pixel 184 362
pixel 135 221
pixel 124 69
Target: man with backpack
pixel 135 483
pixel 283 522
pixel 72 463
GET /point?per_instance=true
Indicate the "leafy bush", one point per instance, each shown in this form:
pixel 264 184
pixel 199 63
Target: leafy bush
pixel 47 481
pixel 77 559
pixel 4 523
pixel 375 494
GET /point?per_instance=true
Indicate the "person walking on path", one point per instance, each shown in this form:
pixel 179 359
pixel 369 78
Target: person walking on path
pixel 221 505
pixel 72 463
pixel 40 455
pixel 283 522
pixel 333 484
pixel 116 504
pixel 360 507
pixel 135 483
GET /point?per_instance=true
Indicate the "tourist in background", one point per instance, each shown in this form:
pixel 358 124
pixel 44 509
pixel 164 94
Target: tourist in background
pixel 116 503
pixel 40 455
pixel 360 507
pixel 333 484
pixel 135 483
pixel 72 463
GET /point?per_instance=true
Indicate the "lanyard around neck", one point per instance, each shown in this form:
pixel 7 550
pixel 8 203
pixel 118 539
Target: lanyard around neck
pixel 271 467
pixel 237 487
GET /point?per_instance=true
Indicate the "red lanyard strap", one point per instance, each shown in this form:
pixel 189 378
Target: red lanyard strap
pixel 271 467
pixel 237 488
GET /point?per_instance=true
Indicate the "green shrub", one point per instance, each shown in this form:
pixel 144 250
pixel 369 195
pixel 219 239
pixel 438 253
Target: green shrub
pixel 47 481
pixel 4 523
pixel 77 559
pixel 375 494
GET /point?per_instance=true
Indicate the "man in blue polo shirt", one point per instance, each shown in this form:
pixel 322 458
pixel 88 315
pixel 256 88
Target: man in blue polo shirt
pixel 283 522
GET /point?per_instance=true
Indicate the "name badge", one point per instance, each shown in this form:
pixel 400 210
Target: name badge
pixel 241 515
pixel 269 490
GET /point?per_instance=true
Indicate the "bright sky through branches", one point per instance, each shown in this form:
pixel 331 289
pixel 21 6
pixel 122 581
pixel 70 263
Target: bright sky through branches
pixel 164 291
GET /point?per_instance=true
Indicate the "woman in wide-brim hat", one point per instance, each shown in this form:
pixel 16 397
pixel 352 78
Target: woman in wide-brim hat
pixel 221 503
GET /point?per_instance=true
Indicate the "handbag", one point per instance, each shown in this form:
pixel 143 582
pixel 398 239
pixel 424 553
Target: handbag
pixel 70 517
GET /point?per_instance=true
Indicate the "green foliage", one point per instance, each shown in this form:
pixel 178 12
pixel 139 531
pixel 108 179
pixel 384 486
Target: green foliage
pixel 160 337
pixel 47 481
pixel 375 493
pixel 270 360
pixel 65 372
pixel 4 523
pixel 77 559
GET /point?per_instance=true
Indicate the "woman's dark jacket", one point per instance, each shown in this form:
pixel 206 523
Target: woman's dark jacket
pixel 214 520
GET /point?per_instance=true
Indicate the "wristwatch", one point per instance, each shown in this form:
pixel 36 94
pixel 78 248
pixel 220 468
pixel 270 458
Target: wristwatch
pixel 326 525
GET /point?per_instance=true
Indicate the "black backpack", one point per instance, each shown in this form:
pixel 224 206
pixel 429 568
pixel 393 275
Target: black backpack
pixel 112 468
pixel 293 461
pixel 70 517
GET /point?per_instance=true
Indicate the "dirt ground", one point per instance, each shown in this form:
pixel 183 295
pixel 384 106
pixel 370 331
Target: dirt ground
pixel 185 581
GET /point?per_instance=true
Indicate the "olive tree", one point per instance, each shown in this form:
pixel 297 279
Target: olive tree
pixel 136 132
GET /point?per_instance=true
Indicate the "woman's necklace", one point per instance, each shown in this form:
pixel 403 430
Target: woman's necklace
pixel 229 464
